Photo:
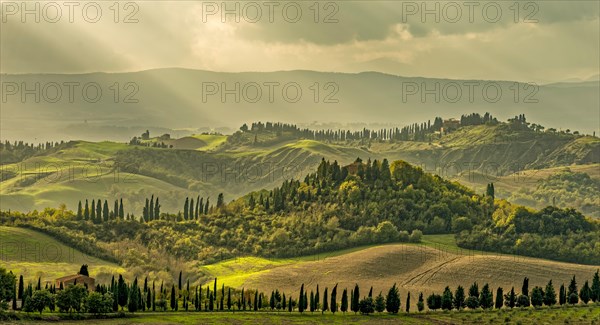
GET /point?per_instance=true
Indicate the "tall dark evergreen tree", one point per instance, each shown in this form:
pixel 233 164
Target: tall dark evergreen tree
pixel 300 298
pixel 99 211
pixel 499 298
pixel 525 288
pixel 173 298
pixel 79 211
pixel 459 298
pixel 122 291
pixel 355 298
pixel 562 296
pixel 186 208
pixel 333 306
pixel 486 298
pixel 344 304
pixel 549 294
pixel 325 302
pixel 133 302
pixel 408 303
pixel 156 209
pixel 392 301
pixel 586 292
pixel 596 287
pixel 86 211
pixel 21 287
pixel 93 211
pixel 447 299
pixel 121 211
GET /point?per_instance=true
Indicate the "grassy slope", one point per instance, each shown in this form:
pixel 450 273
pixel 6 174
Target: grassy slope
pixel 426 267
pixel 34 255
pixel 61 177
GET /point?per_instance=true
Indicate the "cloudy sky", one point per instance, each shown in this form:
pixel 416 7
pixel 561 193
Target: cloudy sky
pixel 538 41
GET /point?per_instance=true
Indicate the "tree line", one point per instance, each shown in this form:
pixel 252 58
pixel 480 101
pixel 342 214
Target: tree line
pixel 135 296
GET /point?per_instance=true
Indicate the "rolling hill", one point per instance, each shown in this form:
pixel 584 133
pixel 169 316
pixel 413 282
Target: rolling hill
pixel 208 164
pixel 423 268
pixel 35 255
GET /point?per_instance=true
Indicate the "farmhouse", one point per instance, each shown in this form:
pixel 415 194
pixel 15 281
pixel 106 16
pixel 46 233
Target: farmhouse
pixel 68 280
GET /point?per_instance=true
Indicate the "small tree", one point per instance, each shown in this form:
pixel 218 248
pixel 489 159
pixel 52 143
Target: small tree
pixel 447 299
pixel 39 300
pixel 408 303
pixel 522 301
pixel 420 303
pixel 537 296
pixel 379 303
pixel 585 293
pixel 510 299
pixel 459 298
pixel 366 306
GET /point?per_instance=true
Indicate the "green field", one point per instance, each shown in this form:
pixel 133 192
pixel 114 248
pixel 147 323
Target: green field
pixel 35 255
pixel 556 315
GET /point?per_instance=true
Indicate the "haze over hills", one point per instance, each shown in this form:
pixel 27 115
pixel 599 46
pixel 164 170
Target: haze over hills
pixel 248 161
pixel 171 99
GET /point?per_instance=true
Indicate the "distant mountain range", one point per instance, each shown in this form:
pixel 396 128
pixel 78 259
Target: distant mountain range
pixel 181 99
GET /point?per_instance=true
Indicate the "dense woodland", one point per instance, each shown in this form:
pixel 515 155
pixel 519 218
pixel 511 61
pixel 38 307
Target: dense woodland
pixel 137 296
pixel 333 208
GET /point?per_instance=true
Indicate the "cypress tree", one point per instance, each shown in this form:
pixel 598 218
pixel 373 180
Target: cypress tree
pixel 459 298
pixel 156 209
pixel 206 206
pixel 549 294
pixel 344 305
pixel 300 298
pixel 290 305
pixel 86 211
pixel 510 299
pixel 99 211
pixel 325 302
pixel 229 299
pixel 186 208
pixel 499 298
pixel 256 300
pixel 586 293
pixel 525 289
pixel 283 302
pixel 595 294
pixel 312 301
pixel 79 211
pixel 222 296
pixel 420 303
pixel 392 303
pixel 21 287
pixel 121 211
pixel 115 213
pixel 408 303
pixel 333 305
pixel 173 301
pixel 486 297
pixel 93 211
pixel 151 208
pixel 447 299
pixel 317 298
pixel 355 299
pixel 562 297
pixel 179 283
pixel 133 302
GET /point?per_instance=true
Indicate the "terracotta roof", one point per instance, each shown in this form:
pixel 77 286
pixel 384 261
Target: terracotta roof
pixel 71 277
